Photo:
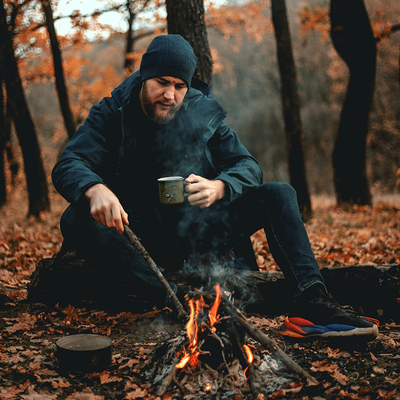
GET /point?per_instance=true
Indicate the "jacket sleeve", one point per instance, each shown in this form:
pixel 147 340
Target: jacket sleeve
pixel 236 166
pixel 80 164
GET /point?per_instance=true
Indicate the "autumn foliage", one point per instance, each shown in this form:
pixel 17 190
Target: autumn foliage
pixel 368 235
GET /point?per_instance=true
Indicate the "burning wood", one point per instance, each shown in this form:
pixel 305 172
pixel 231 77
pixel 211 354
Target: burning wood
pixel 220 353
pixel 204 361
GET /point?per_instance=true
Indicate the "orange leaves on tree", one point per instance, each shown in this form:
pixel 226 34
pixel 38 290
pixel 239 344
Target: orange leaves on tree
pixel 315 17
pixel 234 21
pixel 381 25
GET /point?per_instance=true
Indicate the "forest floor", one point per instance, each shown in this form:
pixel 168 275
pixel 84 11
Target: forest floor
pixel 29 368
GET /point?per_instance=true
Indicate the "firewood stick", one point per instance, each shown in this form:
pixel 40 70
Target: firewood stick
pixel 270 344
pixel 135 242
pixel 259 336
pixel 255 390
pixel 162 388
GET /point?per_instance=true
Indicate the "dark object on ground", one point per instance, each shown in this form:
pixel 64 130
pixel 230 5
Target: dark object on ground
pixel 84 353
pixel 370 290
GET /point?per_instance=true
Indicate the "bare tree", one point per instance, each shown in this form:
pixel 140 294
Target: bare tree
pixel 354 41
pixel 291 107
pixel 3 193
pixel 58 70
pixel 35 175
pixel 186 17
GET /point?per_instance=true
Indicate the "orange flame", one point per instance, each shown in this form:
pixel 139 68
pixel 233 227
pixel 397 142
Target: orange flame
pixel 249 354
pixel 192 332
pixel 250 357
pixel 208 387
pixel 192 328
pixel 212 315
pixel 183 361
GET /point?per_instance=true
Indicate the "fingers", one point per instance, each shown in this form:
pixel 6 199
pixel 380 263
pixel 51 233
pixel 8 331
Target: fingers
pixel 192 178
pixel 203 192
pixel 106 208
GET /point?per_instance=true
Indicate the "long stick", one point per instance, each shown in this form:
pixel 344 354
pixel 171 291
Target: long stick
pixel 135 242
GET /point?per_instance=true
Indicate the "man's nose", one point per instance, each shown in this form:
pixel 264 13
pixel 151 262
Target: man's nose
pixel 169 93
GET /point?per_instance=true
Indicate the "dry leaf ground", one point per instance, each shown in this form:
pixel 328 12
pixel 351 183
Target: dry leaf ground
pixel 28 366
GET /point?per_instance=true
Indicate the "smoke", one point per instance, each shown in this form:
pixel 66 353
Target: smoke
pixel 205 235
pixel 210 269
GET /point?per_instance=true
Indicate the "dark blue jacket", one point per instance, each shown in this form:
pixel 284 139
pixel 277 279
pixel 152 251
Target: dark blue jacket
pixel 96 152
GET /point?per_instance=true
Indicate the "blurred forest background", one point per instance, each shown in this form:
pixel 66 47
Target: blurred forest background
pixel 246 80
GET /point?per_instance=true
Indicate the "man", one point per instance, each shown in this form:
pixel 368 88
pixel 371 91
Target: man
pixel 160 122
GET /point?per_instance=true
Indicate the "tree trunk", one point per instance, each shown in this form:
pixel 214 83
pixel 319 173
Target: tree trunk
pixel 12 158
pixel 3 186
pixel 58 70
pixel 354 41
pixel 35 175
pixel 291 106
pixel 129 65
pixel 187 19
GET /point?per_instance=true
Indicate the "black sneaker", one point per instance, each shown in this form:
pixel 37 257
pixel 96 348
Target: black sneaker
pixel 324 317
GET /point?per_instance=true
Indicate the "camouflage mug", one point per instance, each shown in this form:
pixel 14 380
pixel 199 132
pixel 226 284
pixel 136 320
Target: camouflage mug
pixel 171 190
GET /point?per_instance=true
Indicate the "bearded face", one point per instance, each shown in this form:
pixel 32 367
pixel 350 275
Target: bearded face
pixel 162 97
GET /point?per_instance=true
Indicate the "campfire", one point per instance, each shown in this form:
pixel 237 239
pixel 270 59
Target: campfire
pixel 214 357
pixel 220 354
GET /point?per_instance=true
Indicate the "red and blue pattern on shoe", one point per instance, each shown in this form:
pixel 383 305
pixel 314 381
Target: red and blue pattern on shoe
pixel 296 327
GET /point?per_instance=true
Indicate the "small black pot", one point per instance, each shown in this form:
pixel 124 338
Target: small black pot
pixel 84 353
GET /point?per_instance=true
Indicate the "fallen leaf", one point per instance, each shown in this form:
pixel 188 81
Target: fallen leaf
pixel 32 395
pixel 379 370
pixel 25 323
pixel 86 394
pixel 129 363
pixel 137 394
pixel 106 378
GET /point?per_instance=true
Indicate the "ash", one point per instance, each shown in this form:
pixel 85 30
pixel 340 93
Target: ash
pixel 228 380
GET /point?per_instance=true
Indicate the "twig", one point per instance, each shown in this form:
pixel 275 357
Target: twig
pixel 135 242
pixel 177 383
pixel 255 390
pixel 162 388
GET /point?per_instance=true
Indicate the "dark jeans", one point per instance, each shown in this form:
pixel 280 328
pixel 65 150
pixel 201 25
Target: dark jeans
pixel 172 235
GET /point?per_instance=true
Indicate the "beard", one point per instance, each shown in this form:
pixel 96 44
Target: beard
pixel 149 107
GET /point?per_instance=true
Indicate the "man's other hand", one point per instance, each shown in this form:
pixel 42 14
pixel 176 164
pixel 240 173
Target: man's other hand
pixel 203 192
pixel 106 208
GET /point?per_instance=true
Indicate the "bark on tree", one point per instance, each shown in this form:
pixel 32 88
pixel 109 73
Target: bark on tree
pixel 355 43
pixel 14 163
pixel 58 70
pixel 129 65
pixel 291 107
pixel 3 188
pixel 35 175
pixel 187 19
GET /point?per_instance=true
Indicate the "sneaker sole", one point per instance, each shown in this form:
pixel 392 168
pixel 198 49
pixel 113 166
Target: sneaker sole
pixel 331 331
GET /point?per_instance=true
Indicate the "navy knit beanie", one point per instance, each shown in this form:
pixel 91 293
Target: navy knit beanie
pixel 168 55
